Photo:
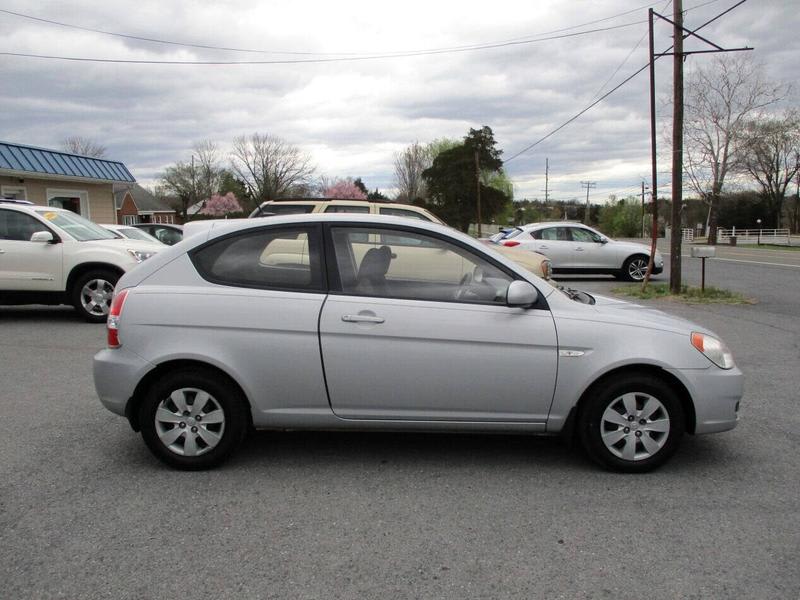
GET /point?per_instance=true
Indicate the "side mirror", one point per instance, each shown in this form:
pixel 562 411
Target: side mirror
pixel 521 293
pixel 44 237
pixel 603 239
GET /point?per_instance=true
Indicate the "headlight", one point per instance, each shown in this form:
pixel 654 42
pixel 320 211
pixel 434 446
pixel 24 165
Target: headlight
pixel 714 350
pixel 547 268
pixel 140 255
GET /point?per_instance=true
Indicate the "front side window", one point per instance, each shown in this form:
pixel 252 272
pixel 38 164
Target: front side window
pixel 17 226
pixel 411 265
pixel 79 228
pixel 283 209
pixel 583 235
pixel 284 259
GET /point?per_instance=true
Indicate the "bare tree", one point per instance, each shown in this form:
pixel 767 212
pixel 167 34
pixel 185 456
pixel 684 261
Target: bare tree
pixel 408 167
pixel 84 146
pixel 721 96
pixel 188 183
pixel 771 156
pixel 270 167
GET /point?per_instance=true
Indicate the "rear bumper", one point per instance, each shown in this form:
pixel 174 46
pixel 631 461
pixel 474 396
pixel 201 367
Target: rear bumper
pixel 116 374
pixel 716 394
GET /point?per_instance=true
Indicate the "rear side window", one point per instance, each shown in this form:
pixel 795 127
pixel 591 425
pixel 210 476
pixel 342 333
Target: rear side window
pixel 403 212
pixel 338 208
pixel 284 259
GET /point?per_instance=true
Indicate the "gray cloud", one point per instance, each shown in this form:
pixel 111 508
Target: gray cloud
pixel 352 116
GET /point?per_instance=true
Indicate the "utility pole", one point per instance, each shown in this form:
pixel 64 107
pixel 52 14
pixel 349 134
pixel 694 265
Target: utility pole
pixel 588 185
pixel 478 187
pixel 546 180
pixel 643 187
pixel 194 188
pixel 677 149
pixel 679 33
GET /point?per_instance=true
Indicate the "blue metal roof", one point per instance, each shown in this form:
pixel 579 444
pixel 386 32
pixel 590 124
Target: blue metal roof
pixel 28 159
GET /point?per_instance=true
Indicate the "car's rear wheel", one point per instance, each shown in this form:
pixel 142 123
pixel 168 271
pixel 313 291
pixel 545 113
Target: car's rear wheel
pixel 92 293
pixel 633 423
pixel 635 267
pixel 191 420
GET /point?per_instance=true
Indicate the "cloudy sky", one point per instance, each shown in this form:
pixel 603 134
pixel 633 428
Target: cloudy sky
pixel 350 115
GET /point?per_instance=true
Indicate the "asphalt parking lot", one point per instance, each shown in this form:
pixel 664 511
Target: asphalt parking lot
pixel 86 512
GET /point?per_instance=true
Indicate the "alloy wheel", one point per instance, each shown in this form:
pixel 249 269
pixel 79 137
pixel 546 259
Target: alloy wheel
pixel 635 426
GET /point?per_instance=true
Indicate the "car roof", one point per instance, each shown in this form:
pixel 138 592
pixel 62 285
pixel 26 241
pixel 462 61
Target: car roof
pixel 541 225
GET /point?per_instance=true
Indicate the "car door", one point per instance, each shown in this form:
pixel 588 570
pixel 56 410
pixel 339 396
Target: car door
pixel 437 344
pixel 26 265
pixel 588 251
pixel 555 244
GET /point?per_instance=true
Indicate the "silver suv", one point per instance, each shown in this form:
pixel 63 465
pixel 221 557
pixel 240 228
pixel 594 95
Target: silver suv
pixel 54 256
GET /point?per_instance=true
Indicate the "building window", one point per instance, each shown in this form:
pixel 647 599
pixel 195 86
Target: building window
pixel 76 201
pixel 130 219
pixel 17 192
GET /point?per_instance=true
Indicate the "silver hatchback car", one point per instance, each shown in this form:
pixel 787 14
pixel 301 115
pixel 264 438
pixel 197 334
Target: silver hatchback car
pixel 383 323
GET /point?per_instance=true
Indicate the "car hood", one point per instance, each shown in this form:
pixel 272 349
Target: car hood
pixel 628 313
pixel 129 244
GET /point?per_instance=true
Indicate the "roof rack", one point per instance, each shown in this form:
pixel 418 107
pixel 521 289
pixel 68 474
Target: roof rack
pixel 15 201
pixel 324 200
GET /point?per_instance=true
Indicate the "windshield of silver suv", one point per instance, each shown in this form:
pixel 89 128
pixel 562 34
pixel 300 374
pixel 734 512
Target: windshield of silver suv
pixel 81 229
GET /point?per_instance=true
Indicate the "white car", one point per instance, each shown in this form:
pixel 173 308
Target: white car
pixel 54 256
pixel 132 233
pixel 576 248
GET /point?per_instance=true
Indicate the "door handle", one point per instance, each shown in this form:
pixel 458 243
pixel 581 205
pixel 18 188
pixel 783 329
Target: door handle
pixel 542 247
pixel 362 319
pixel 578 249
pixel 2 251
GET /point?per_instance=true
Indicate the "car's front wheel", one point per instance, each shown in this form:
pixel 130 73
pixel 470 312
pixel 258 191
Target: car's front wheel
pixel 633 423
pixel 92 293
pixel 191 420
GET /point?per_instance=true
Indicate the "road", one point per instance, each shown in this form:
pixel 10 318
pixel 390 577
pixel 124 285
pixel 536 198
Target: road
pixel 86 512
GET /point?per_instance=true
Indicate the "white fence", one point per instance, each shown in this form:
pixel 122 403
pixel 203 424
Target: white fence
pixel 687 235
pixel 753 236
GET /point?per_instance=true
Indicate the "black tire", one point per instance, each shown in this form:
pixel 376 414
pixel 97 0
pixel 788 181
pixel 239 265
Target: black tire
pixel 223 395
pixel 598 430
pixel 91 294
pixel 634 267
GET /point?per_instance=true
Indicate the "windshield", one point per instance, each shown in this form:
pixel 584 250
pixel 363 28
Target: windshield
pixel 81 229
pixel 137 234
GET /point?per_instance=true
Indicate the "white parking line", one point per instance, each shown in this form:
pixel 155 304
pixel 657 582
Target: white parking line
pixel 750 262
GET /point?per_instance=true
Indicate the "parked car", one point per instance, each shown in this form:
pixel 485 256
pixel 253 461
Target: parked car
pixel 576 248
pixel 132 233
pixel 230 330
pixel 54 256
pixel 166 233
pixel 534 262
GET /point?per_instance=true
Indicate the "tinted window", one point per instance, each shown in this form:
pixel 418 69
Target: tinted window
pixel 418 267
pixel 338 208
pixel 286 209
pixel 18 226
pixel 583 235
pixel 403 212
pixel 552 233
pixel 286 258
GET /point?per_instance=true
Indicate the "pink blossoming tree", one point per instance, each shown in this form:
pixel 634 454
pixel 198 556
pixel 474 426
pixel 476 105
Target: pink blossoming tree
pixel 344 189
pixel 219 206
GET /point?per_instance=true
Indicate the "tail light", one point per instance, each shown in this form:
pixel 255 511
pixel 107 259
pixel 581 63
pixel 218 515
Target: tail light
pixel 114 314
pixel 511 243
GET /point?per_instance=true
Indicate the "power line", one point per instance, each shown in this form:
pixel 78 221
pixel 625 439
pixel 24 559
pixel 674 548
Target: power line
pixel 614 89
pixel 318 60
pixel 524 39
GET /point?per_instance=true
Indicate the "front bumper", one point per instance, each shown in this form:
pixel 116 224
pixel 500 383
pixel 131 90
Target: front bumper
pixel 117 372
pixel 716 394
